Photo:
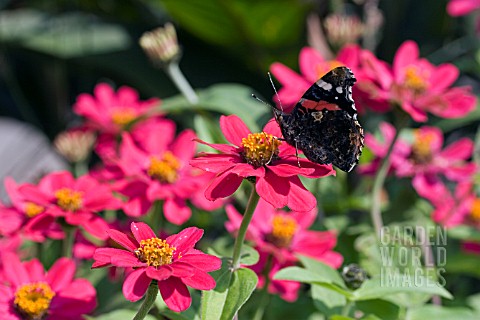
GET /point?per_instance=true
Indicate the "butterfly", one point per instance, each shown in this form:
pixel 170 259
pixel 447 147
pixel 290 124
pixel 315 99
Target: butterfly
pixel 323 124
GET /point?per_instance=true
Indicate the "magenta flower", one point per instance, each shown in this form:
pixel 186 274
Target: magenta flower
pixel 60 195
pixel 30 293
pixel 159 171
pixel 284 234
pixel 261 156
pixel 111 112
pixel 420 87
pixel 453 209
pixel 457 8
pixel 173 263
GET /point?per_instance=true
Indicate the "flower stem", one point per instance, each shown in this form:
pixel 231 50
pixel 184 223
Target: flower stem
pixel 265 296
pixel 173 70
pixel 148 302
pixel 247 217
pixel 155 215
pixel 346 308
pixel 375 213
pixel 79 168
pixel 67 247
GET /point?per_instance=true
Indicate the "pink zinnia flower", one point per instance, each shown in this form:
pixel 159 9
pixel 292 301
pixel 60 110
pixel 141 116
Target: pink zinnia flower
pixel 457 208
pixel 259 156
pixel 284 234
pixel 31 293
pixel 159 171
pixel 28 213
pixel 173 263
pixel 60 195
pixel 462 7
pixel 111 112
pixel 420 87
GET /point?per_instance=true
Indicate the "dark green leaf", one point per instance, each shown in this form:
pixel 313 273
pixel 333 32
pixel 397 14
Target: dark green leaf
pixel 382 309
pixel 443 313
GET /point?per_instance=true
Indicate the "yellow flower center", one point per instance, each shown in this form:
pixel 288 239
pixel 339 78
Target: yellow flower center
pixel 32 209
pixel 155 252
pixel 475 210
pixel 421 148
pixel 323 68
pixel 123 116
pixel 33 300
pixel 415 79
pixel 165 169
pixel 68 199
pixel 260 149
pixel 283 230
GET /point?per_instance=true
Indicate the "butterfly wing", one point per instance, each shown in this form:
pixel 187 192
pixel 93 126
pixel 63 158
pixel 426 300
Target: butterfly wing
pixel 324 123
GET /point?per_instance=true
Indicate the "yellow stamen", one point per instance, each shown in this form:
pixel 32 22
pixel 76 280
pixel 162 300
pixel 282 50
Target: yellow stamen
pixel 68 199
pixel 283 230
pixel 415 79
pixel 260 148
pixel 422 147
pixel 123 116
pixel 33 300
pixel 155 252
pixel 32 209
pixel 165 169
pixel 475 210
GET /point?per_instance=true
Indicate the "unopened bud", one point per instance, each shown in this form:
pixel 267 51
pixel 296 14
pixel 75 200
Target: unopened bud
pixel 161 44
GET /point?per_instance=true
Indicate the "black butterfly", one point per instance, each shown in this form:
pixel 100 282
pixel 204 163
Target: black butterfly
pixel 323 124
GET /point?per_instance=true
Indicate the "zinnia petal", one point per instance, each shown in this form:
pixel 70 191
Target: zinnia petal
pixel 185 239
pixel 135 285
pixel 175 294
pixel 234 129
pixel 141 231
pixel 200 280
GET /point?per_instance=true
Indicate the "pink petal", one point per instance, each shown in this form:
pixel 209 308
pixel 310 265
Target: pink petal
pixel 273 128
pixel 273 189
pixel 246 170
pixel 35 270
pixel 176 211
pixel 212 162
pixel 234 129
pixel 132 159
pixel 160 274
pixel 78 298
pixel 13 270
pixel 202 261
pixel 61 274
pixel 97 227
pixel 224 148
pixel 182 269
pixel 223 185
pixel 200 281
pixel 122 239
pixel 457 8
pixel 459 150
pixel 185 240
pixel 299 198
pixel 141 231
pixel 154 135
pixel 55 181
pixel 135 285
pixel 443 77
pixel 310 60
pixel 430 188
pixel 406 55
pixel 175 294
pixel 286 168
pixel 184 146
pixel 416 114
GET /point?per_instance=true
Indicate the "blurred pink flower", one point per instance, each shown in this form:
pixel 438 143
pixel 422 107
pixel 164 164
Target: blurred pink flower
pixel 31 293
pixel 159 170
pixel 423 159
pixel 28 213
pixel 453 209
pixel 259 156
pixel 112 112
pixel 60 195
pixel 462 7
pixel 173 262
pixel 287 290
pixel 420 87
pixel 284 234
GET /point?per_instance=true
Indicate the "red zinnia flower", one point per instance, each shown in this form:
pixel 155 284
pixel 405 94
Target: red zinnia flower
pixel 30 293
pixel 173 262
pixel 262 156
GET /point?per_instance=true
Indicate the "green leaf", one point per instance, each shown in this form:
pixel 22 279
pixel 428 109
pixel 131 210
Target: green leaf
pixel 375 288
pixel 231 292
pixel 327 301
pixel 339 317
pixel 118 314
pixel 464 232
pixel 225 99
pixel 323 269
pixel 308 276
pixel 249 256
pixel 384 310
pixel 191 313
pixel 443 313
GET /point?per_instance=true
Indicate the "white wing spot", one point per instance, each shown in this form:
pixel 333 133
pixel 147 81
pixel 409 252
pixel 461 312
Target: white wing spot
pixel 324 85
pixel 339 89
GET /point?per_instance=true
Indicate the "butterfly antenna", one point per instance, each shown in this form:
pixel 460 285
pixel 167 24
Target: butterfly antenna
pixel 275 89
pixel 254 96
